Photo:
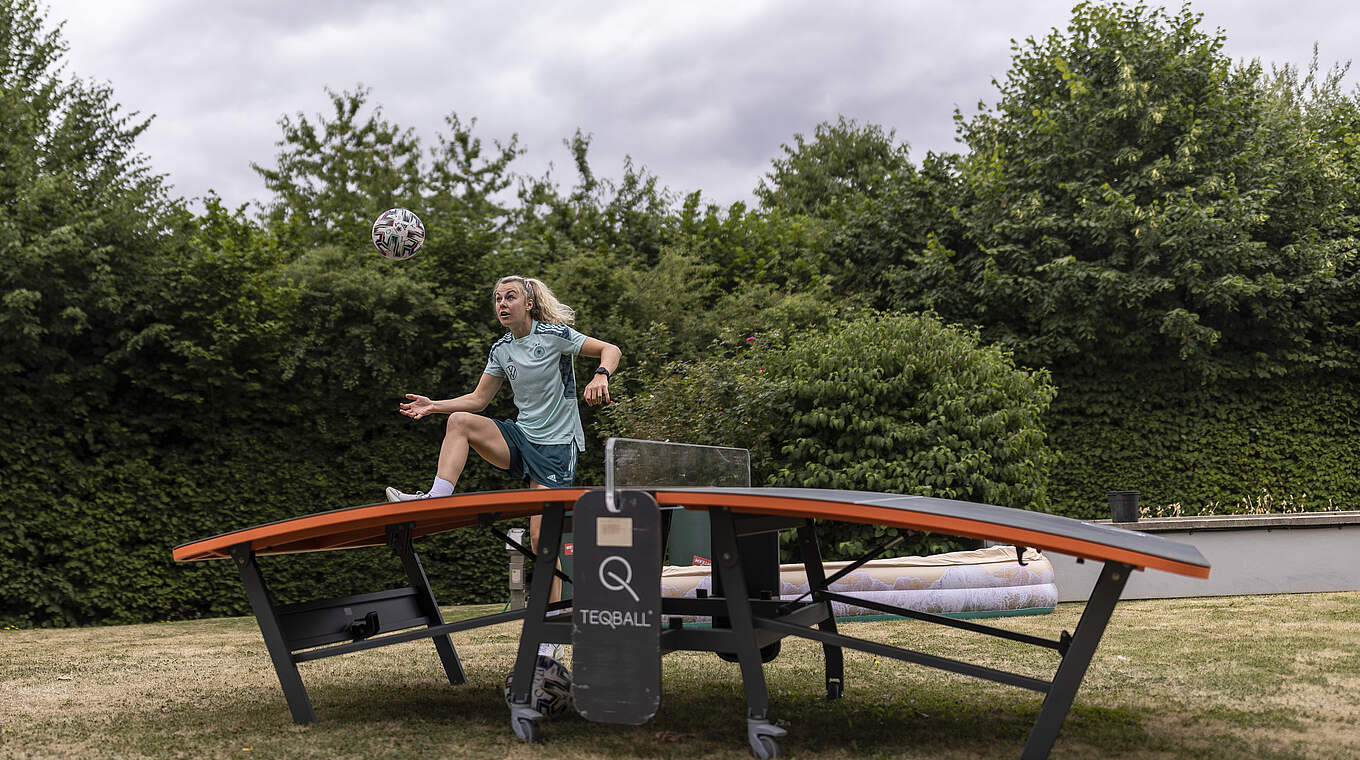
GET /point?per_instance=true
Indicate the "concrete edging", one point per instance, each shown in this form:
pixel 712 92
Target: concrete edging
pixel 1292 553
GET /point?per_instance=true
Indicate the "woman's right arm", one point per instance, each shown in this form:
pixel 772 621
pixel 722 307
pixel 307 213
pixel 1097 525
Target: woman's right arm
pixel 421 406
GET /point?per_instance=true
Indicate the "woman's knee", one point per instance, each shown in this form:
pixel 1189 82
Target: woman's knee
pixel 459 423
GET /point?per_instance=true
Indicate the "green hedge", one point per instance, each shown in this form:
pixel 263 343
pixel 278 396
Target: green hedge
pixel 1221 445
pixel 92 535
pixel 900 403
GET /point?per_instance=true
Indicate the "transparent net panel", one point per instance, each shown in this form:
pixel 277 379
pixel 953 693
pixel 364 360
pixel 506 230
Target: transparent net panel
pixel 629 462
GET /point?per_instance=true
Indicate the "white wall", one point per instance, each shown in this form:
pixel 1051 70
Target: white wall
pixel 1266 560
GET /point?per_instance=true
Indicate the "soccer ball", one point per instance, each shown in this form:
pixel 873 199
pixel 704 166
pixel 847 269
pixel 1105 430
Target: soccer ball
pixel 398 234
pixel 551 695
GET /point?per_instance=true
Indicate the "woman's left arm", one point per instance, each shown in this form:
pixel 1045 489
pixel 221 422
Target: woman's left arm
pixel 597 390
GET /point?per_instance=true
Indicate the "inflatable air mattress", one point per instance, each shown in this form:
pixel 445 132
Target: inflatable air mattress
pixel 980 583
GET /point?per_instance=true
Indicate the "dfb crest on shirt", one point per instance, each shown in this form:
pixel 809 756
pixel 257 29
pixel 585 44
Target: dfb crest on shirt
pixel 539 351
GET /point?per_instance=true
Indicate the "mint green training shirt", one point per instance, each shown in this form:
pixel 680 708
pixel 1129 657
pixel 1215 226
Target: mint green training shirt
pixel 539 367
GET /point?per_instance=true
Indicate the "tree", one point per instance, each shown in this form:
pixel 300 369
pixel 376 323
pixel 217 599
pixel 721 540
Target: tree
pixel 842 161
pixel 465 181
pixel 333 177
pixel 866 207
pixel 81 220
pixel 877 239
pixel 83 240
pixel 1133 195
pixel 631 218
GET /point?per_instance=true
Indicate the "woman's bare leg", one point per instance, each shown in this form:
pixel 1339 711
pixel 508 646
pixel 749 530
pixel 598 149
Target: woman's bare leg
pixel 463 431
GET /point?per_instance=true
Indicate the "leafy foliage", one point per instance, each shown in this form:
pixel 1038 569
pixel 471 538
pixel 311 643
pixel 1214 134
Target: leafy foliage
pixel 895 403
pixel 335 176
pixel 168 376
pixel 1199 446
pixel 1170 235
pixel 907 404
pixel 1130 188
pixel 1135 196
pixel 842 161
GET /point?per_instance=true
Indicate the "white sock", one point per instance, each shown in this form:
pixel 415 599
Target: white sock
pixel 441 487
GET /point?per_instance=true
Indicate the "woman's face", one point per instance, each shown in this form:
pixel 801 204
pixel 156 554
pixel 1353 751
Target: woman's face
pixel 511 305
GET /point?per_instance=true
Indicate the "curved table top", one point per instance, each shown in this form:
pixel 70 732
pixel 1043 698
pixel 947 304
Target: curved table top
pixel 366 525
pixel 354 527
pixel 1005 525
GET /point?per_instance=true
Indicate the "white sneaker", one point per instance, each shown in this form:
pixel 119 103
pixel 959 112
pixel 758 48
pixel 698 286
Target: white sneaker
pixel 395 495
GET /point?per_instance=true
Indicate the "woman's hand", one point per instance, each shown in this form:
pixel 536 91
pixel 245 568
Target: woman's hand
pixel 418 407
pixel 598 390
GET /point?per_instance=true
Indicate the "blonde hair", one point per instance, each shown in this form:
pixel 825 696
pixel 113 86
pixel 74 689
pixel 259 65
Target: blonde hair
pixel 546 307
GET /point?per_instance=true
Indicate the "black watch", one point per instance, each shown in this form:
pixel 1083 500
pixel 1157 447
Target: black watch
pixel 603 371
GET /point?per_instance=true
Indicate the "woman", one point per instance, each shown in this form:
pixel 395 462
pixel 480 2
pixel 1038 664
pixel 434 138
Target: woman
pixel 541 445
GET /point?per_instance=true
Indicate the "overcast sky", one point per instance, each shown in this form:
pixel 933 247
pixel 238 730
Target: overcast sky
pixel 701 93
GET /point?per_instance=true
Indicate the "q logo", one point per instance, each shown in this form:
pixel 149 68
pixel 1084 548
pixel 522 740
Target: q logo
pixel 616 575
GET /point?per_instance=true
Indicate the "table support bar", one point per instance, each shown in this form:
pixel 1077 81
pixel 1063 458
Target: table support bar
pixel 1085 639
pixel 907 655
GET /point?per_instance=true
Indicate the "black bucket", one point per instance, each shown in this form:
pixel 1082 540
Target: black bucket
pixel 1124 506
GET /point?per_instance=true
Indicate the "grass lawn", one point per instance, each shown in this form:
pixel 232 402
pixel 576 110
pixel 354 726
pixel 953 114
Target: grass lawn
pixel 1226 677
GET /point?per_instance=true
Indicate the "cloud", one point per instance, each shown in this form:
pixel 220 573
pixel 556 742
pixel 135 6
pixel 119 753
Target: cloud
pixel 701 93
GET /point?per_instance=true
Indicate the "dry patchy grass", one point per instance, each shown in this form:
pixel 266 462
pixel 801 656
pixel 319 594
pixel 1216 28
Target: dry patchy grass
pixel 1230 677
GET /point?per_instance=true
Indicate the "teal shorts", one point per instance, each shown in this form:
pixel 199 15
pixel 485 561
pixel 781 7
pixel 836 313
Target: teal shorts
pixel 547 464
